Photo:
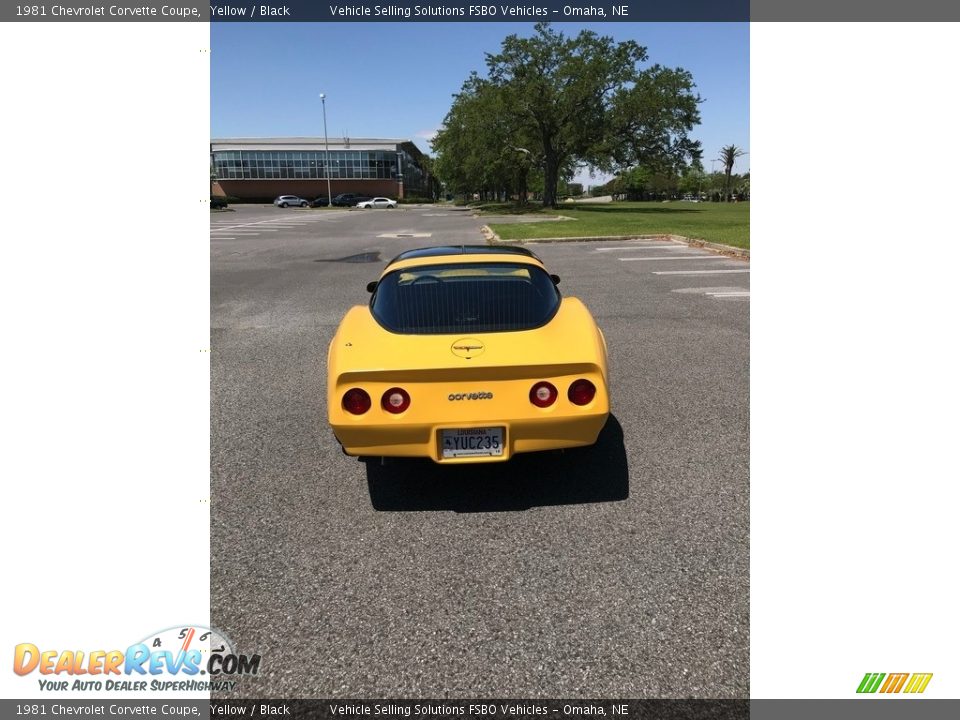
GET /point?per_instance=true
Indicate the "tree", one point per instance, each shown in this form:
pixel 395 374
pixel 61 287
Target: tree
pixel 633 182
pixel 692 181
pixel 729 155
pixel 430 184
pixel 566 101
pixel 479 148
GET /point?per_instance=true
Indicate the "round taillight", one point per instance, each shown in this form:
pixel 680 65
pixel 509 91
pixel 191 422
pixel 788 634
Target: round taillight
pixel 356 401
pixel 581 392
pixel 395 400
pixel 543 394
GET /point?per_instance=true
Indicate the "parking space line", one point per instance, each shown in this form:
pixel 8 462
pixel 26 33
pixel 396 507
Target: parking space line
pixel 674 259
pixel 730 294
pixel 699 272
pixel 671 246
pixel 277 221
pixel 243 225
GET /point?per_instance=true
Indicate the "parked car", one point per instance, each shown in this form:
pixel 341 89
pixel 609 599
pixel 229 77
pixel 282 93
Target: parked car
pixel 287 200
pixel 377 202
pixel 322 201
pixel 344 200
pixel 466 354
pixel 217 203
pixel 350 199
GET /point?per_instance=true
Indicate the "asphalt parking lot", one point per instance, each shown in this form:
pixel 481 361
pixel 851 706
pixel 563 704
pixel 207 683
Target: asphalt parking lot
pixel 616 571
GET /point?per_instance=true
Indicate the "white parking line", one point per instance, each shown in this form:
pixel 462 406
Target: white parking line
pixel 675 258
pixel 277 221
pixel 243 225
pixel 730 294
pixel 699 272
pixel 671 246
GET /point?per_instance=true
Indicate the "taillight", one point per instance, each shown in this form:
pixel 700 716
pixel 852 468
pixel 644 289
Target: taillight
pixel 581 392
pixel 543 394
pixel 395 400
pixel 356 401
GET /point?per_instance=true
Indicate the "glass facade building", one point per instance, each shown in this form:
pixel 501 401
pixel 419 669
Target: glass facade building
pixel 307 159
pixel 305 165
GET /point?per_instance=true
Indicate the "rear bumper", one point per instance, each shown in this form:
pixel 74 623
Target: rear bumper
pixel 423 440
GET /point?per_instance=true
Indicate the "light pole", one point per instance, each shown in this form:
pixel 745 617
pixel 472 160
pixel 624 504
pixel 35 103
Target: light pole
pixel 399 175
pixel 326 146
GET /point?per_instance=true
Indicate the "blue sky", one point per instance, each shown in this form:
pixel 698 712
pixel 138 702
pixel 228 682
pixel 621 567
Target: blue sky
pixel 397 79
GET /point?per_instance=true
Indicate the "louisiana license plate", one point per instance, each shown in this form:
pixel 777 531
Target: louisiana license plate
pixel 472 442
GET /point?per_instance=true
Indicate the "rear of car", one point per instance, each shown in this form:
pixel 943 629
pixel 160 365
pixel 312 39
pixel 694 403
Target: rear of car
pixel 467 360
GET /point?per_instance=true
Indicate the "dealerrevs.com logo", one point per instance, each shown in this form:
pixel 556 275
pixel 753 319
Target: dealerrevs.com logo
pixel 911 683
pixel 183 659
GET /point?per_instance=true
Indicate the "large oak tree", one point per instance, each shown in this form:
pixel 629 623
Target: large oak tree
pixel 553 102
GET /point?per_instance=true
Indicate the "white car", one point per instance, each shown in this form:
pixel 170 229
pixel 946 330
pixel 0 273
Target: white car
pixel 377 202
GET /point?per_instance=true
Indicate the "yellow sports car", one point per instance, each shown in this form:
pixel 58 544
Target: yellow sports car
pixel 466 354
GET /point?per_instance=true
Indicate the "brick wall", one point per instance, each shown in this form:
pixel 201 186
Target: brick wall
pixel 307 189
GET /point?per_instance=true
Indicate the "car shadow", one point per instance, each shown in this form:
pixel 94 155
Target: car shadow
pixel 593 474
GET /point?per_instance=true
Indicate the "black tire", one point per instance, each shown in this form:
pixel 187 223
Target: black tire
pixel 303 204
pixel 283 205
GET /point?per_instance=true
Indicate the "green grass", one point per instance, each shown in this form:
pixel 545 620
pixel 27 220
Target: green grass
pixel 726 223
pixel 495 208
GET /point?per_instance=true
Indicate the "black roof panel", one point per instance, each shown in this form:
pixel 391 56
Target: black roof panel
pixel 441 250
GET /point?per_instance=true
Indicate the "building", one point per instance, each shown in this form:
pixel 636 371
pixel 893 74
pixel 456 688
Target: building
pixel 263 168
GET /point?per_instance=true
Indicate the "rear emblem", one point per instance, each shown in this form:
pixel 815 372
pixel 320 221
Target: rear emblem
pixel 467 348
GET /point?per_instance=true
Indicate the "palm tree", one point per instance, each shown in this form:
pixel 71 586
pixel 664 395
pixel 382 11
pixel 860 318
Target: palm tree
pixel 728 156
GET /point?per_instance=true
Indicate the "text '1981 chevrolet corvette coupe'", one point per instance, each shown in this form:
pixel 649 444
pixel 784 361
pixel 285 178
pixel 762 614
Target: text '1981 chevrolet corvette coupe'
pixel 466 354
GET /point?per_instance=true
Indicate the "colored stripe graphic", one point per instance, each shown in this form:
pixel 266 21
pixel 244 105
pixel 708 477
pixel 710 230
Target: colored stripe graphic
pixel 918 683
pixel 915 683
pixel 894 682
pixel 870 682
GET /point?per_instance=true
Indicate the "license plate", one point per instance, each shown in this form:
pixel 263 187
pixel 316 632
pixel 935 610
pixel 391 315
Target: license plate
pixel 472 442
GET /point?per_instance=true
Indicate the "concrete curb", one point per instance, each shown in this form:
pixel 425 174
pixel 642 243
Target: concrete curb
pixel 494 239
pixel 715 247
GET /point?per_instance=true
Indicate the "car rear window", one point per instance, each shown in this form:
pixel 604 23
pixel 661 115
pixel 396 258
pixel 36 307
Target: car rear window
pixel 465 298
